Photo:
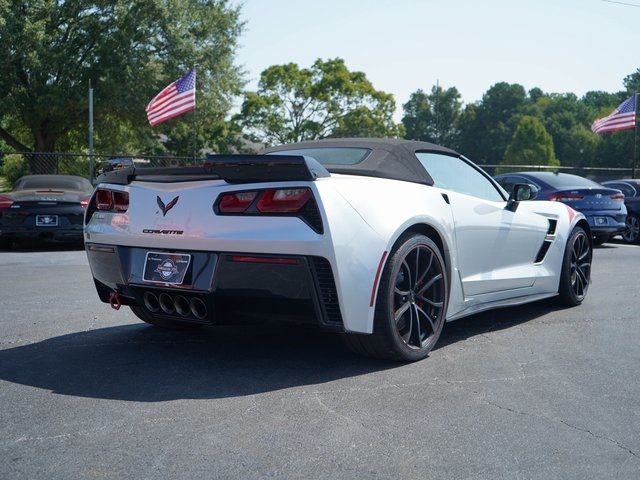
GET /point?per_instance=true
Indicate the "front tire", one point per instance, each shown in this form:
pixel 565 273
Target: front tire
pixel 631 232
pixel 576 269
pixel 411 303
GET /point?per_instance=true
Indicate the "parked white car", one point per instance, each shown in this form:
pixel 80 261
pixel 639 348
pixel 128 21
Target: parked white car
pixel 381 239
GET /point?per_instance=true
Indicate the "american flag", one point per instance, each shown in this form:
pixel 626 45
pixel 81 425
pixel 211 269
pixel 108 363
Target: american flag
pixel 622 118
pixel 175 99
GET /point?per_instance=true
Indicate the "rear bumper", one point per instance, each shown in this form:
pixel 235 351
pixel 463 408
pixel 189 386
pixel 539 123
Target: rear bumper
pixel 605 222
pixel 233 289
pixel 41 234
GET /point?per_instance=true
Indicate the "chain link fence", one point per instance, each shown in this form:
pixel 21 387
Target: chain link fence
pixel 16 165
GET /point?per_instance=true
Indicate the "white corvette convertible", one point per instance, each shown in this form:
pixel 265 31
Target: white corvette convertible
pixel 383 240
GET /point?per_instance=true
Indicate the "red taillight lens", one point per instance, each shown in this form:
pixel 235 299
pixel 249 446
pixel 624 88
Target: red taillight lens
pixel 121 201
pixel 5 202
pixel 85 201
pixel 618 196
pixel 564 197
pixel 236 202
pixel 285 200
pixel 112 200
pixel 104 199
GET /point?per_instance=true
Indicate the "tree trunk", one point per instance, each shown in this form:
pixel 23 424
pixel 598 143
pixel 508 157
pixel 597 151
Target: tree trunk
pixel 43 160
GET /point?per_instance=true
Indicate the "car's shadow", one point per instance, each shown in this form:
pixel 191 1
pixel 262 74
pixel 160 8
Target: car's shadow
pixel 141 363
pixel 32 246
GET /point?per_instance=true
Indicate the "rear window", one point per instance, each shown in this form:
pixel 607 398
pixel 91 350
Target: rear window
pixel 330 156
pixel 53 183
pixel 565 180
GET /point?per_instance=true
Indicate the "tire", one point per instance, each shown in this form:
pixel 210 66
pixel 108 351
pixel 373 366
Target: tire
pixel 411 303
pixel 162 322
pixel 576 269
pixel 600 240
pixel 631 232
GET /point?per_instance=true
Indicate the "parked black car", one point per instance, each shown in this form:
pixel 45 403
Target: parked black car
pixel 44 207
pixel 631 190
pixel 603 206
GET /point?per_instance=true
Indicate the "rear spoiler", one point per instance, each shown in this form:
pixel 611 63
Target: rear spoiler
pixel 230 168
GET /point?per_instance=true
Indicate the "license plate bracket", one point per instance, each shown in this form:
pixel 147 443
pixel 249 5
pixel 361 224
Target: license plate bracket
pixel 46 220
pixel 167 268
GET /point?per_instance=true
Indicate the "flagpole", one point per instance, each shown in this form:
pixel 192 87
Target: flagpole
pixel 195 122
pixel 635 142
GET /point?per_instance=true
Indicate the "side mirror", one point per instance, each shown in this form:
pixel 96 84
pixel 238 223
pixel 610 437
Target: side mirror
pixel 521 192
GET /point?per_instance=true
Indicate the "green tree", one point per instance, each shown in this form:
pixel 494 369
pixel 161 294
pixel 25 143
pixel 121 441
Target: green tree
pixel 433 117
pixel 294 104
pixel 130 50
pixel 486 128
pixel 531 145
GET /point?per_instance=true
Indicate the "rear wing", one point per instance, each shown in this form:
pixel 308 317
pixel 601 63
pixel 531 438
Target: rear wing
pixel 230 168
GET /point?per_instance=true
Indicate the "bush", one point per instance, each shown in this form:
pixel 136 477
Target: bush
pixel 14 167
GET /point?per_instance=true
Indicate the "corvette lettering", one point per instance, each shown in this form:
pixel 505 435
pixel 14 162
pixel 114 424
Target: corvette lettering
pixel 163 232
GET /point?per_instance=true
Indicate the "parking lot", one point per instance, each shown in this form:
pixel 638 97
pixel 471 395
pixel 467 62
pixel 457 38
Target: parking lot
pixel 529 392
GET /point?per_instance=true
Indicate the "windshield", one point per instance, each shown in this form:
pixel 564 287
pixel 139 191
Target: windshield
pixel 53 183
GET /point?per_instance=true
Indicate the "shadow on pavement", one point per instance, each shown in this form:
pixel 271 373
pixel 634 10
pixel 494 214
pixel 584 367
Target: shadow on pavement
pixel 141 363
pixel 23 247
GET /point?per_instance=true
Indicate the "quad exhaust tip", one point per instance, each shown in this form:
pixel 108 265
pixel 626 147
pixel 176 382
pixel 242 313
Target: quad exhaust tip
pixel 151 302
pixel 165 303
pixel 198 308
pixel 182 305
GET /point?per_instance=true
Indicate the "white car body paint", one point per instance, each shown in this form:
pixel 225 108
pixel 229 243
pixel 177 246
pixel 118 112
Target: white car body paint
pixel 490 251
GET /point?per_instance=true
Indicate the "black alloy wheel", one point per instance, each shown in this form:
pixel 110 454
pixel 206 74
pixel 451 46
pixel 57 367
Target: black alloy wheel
pixel 576 268
pixel 411 303
pixel 631 233
pixel 418 296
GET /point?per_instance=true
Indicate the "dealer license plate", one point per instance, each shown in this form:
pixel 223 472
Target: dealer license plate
pixel 161 267
pixel 46 220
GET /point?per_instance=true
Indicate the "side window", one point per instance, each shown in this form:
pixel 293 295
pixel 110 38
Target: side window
pixel 507 183
pixel 455 174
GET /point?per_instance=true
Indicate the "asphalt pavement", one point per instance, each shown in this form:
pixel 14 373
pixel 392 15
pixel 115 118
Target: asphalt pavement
pixel 534 392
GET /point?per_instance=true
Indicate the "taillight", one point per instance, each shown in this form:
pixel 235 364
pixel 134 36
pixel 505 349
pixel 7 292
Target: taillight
pixel 121 201
pixel 236 202
pixel 85 201
pixel 5 202
pixel 564 196
pixel 112 200
pixel 104 199
pixel 295 202
pixel 618 197
pixel 286 200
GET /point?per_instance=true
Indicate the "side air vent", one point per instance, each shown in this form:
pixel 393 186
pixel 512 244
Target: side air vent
pixel 327 291
pixel 548 240
pixel 543 251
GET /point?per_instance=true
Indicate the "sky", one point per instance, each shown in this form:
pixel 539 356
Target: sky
pixel 402 45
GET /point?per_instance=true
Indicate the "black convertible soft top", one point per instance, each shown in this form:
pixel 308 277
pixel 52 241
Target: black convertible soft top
pixel 388 157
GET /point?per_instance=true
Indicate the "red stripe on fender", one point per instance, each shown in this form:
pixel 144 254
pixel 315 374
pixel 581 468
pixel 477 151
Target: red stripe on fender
pixel 572 214
pixel 377 279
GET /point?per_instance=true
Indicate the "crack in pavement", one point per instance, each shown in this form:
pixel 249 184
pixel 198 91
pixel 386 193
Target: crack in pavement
pixel 594 435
